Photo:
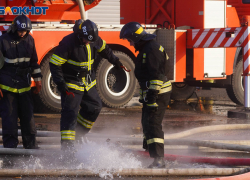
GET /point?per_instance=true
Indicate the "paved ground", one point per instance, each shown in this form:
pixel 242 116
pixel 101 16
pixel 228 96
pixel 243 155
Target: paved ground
pixel 206 108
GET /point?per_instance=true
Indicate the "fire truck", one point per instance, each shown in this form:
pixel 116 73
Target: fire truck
pixel 171 20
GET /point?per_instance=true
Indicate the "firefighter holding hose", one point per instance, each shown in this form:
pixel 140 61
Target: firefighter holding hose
pixel 151 67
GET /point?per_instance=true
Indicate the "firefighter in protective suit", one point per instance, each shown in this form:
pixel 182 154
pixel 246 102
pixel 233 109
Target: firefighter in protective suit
pixel 20 64
pixel 151 67
pixel 71 67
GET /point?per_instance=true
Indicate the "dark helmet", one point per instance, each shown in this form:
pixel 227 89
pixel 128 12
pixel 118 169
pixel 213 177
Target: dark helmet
pixel 86 30
pixel 21 23
pixel 133 31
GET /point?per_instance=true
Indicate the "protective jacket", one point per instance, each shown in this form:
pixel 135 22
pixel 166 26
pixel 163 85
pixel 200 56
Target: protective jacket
pixel 20 63
pixel 72 62
pixel 150 68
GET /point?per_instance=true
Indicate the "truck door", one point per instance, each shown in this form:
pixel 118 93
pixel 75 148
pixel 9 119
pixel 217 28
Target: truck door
pixel 214 58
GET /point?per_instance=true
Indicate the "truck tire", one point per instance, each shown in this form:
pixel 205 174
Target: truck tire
pixel 181 91
pixel 49 95
pixel 236 90
pixel 116 88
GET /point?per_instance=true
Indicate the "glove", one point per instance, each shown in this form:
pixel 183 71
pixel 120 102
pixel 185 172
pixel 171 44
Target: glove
pixel 152 96
pixel 62 87
pixel 1 94
pixel 38 87
pixel 118 65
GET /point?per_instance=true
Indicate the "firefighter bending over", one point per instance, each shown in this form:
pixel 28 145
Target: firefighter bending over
pixel 71 66
pixel 20 64
pixel 151 67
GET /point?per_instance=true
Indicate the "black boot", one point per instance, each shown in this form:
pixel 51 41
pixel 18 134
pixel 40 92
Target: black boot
pixel 158 163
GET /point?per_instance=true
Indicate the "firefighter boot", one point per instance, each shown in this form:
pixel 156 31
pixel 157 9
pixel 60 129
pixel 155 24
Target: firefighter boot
pixel 29 142
pixel 158 163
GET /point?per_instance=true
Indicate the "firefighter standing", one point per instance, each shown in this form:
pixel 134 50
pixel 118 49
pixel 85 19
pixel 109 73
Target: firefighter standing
pixel 17 49
pixel 71 67
pixel 151 65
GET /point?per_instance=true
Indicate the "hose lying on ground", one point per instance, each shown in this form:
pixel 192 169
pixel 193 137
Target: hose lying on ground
pixel 123 172
pixel 204 160
pixel 166 136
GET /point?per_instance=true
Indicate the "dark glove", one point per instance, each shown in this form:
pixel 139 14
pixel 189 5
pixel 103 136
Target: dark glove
pixel 118 65
pixel 62 87
pixel 152 96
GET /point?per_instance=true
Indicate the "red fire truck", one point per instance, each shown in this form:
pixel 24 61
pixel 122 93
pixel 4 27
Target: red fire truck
pixel 170 20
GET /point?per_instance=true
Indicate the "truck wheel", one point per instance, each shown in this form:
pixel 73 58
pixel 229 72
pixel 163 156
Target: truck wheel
pixel 236 91
pixel 181 91
pixel 115 87
pixel 49 95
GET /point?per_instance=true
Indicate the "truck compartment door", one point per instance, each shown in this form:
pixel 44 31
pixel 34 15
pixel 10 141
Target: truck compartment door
pixel 214 58
pixel 174 43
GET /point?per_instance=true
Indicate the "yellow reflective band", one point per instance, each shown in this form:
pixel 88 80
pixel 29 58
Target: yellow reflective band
pixel 80 26
pixel 161 49
pixel 139 31
pixel 153 105
pixel 68 135
pixel 168 83
pixel 156 87
pixel 80 63
pixel 166 87
pixel 88 86
pixel 89 57
pixel 103 46
pixel 55 62
pixel 59 59
pixel 68 138
pixel 74 86
pixel 91 85
pixel 155 140
pixel 71 132
pixel 84 122
pixel 144 55
pixel 14 90
pixel 156 82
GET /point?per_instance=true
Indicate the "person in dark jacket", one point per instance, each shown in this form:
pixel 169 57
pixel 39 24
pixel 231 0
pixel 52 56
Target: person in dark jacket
pixel 17 49
pixel 71 67
pixel 151 67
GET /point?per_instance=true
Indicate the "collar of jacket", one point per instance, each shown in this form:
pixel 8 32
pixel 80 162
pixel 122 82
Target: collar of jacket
pixel 15 36
pixel 140 45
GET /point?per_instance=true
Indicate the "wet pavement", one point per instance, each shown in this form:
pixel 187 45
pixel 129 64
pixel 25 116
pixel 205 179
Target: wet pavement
pixel 204 108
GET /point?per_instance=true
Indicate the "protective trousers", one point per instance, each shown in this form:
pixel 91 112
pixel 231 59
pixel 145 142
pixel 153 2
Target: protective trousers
pixel 14 106
pixel 152 126
pixel 90 104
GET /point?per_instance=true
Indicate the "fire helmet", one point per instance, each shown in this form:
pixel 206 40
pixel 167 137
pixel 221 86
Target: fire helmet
pixel 21 23
pixel 133 31
pixel 86 30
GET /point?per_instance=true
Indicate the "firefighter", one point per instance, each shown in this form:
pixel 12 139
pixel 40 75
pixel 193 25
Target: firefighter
pixel 71 67
pixel 18 51
pixel 151 67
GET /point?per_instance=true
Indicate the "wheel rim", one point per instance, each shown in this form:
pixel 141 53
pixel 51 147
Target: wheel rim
pixel 52 88
pixel 114 81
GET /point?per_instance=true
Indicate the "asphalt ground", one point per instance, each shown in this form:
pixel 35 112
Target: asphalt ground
pixel 204 108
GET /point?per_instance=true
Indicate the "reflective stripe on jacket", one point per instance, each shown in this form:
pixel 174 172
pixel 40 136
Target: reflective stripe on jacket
pixel 20 63
pixel 72 62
